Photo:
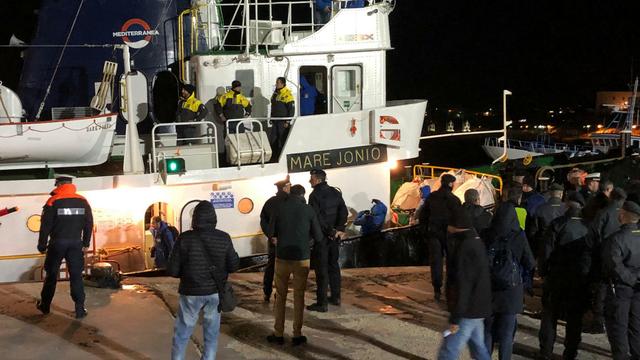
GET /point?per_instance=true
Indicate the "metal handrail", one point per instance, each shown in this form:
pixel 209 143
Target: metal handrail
pixel 211 139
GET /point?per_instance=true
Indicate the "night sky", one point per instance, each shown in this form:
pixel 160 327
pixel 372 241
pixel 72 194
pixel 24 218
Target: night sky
pixel 462 54
pixel 552 55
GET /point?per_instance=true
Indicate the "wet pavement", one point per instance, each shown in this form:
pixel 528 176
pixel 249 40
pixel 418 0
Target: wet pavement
pixel 386 313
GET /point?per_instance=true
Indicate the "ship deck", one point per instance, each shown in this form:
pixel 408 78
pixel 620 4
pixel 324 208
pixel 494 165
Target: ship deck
pixel 387 313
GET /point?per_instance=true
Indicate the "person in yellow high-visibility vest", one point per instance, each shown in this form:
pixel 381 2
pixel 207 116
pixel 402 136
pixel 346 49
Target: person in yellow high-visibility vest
pixel 233 105
pixel 282 110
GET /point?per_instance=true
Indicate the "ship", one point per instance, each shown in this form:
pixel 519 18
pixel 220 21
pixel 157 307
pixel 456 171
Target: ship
pixel 98 101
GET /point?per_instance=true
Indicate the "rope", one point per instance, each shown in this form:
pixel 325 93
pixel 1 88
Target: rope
pixel 55 71
pixel 63 126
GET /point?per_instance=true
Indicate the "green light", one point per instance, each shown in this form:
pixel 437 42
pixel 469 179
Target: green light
pixel 175 166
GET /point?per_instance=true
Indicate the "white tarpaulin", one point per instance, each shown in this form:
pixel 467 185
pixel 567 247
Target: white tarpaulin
pixel 484 187
pixel 407 197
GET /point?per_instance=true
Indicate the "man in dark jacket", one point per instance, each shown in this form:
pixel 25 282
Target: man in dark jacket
pixel 67 226
pixel 545 214
pixel 282 110
pixel 602 227
pixel 622 270
pixel 470 292
pixel 435 215
pixel 193 259
pixel 480 217
pixel 591 186
pixel 598 201
pixel 565 269
pixel 269 210
pixel 332 214
pixel 295 226
pixel 507 302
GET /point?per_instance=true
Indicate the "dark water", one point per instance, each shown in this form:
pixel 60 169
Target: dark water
pixel 459 151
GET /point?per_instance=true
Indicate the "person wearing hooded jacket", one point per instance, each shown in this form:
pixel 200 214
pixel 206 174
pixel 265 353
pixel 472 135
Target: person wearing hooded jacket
pixel 65 233
pixel 191 260
pixel 269 210
pixel 507 303
pixel 435 215
pixel 565 267
pixel 468 291
pixel 371 221
pixel 545 214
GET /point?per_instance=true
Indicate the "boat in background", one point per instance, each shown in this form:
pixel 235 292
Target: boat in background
pixel 520 149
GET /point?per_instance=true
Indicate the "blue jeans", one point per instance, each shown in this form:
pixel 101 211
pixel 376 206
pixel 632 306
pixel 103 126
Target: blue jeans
pixel 501 328
pixel 188 313
pixel 471 332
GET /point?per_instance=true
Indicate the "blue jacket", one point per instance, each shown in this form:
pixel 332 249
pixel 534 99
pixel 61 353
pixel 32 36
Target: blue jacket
pixel 373 220
pixel 321 4
pixel 164 241
pixel 354 4
pixel 308 94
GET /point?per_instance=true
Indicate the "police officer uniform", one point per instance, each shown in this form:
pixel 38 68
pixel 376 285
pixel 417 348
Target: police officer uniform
pixel 66 227
pixel 622 304
pixel 269 210
pixel 332 214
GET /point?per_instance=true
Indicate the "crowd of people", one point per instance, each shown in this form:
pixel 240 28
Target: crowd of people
pixel 583 243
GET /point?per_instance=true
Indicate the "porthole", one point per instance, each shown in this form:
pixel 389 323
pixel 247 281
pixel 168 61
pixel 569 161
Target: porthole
pixel 245 205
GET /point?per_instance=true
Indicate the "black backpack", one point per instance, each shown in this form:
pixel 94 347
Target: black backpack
pixel 504 267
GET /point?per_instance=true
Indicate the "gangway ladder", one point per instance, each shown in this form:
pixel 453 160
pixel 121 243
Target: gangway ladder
pixel 99 101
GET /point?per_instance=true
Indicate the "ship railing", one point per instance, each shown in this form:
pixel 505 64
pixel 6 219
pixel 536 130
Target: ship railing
pixel 248 124
pixel 163 139
pixel 433 172
pixel 267 23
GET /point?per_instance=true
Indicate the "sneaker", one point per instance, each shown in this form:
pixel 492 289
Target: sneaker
pixel 298 340
pixel 334 301
pixel 317 307
pixel 81 312
pixel 276 339
pixel 267 298
pixel 42 307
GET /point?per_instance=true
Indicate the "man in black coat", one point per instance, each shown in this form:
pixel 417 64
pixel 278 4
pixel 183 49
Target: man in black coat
pixel 269 209
pixel 507 303
pixel 435 215
pixel 565 268
pixel 294 227
pixel 545 214
pixel 469 291
pixel 332 214
pixel 601 228
pixel 192 260
pixel 480 217
pixel 622 271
